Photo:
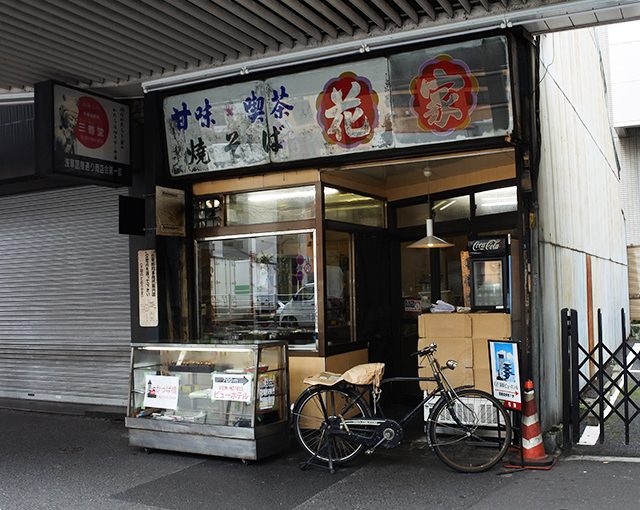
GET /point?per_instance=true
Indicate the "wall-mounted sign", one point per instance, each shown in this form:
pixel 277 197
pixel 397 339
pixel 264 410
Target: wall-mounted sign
pixel 161 391
pixel 453 92
pixel 147 289
pixel 82 135
pixel 421 97
pixel 217 129
pixel 505 372
pixel 233 387
pixel 170 212
pixel 332 110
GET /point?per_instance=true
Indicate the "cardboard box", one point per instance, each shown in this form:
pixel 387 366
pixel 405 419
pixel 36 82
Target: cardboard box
pixel 480 353
pixel 444 325
pixel 459 377
pixel 459 349
pixel 482 379
pixel 496 326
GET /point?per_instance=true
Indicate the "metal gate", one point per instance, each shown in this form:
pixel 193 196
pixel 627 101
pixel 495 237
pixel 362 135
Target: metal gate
pixel 64 297
pixel 598 382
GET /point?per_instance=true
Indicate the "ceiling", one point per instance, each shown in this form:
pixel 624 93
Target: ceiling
pixel 405 178
pixel 118 45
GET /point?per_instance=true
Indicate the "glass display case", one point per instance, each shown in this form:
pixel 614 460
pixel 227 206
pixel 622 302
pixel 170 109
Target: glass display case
pixel 215 399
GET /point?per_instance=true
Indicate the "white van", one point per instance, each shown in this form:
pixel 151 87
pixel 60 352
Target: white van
pixel 300 310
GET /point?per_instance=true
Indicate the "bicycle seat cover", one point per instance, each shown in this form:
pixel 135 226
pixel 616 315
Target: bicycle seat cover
pixel 367 373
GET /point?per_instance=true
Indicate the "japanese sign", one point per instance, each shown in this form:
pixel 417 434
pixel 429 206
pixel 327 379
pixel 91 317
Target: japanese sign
pixel 505 373
pixel 234 387
pixel 444 95
pixel 170 212
pixel 335 110
pixel 91 136
pixel 427 96
pixel 216 129
pixel 266 391
pixel 147 289
pixel 451 92
pixel 161 391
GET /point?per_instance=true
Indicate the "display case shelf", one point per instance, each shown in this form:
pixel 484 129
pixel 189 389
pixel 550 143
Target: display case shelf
pixel 210 398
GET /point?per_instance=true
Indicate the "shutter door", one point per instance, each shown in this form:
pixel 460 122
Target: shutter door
pixel 64 297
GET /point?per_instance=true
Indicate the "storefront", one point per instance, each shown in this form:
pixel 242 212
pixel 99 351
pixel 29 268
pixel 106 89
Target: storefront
pixel 304 191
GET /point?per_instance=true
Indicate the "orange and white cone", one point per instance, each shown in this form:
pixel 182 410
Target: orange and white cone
pixel 533 454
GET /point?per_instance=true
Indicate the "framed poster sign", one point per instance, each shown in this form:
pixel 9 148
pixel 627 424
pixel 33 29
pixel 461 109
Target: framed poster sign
pixel 81 134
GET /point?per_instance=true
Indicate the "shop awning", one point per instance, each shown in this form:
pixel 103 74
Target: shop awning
pixel 118 45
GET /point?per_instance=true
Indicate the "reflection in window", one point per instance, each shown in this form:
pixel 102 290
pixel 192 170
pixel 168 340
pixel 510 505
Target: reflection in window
pixel 337 287
pixel 497 201
pixel 258 288
pixel 412 215
pixel 454 208
pixel 288 204
pixel 353 208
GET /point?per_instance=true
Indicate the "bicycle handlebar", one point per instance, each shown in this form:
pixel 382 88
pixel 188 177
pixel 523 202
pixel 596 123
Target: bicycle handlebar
pixel 430 349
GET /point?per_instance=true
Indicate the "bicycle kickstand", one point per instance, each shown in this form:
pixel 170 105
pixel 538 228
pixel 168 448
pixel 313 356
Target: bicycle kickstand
pixel 313 460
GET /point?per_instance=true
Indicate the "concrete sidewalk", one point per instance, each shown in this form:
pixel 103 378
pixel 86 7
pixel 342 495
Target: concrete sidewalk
pixel 56 461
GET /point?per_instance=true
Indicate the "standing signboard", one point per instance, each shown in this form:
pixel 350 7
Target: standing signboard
pixel 505 373
pixel 82 135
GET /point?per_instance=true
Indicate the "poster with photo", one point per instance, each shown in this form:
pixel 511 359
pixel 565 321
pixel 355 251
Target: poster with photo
pixel 161 391
pixel 505 372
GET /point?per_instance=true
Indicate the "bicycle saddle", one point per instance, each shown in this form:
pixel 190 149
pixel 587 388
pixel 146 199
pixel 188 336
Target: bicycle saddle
pixel 360 375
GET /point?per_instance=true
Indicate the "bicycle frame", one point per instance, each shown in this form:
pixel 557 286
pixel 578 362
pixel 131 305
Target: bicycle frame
pixel 442 389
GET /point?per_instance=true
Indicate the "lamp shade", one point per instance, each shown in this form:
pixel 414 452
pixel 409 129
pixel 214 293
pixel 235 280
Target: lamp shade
pixel 430 241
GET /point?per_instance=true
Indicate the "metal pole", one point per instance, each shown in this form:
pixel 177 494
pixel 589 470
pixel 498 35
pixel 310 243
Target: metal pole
pixel 601 376
pixel 575 378
pixel 625 375
pixel 566 378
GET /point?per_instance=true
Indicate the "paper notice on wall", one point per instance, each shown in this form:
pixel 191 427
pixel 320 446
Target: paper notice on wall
pixel 161 391
pixel 147 289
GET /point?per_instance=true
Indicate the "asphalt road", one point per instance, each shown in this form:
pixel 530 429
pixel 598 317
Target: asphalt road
pixel 72 462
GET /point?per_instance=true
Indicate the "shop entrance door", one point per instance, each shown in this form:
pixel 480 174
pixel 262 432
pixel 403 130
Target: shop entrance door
pixel 425 276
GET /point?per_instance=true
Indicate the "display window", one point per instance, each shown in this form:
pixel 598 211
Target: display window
pixel 259 287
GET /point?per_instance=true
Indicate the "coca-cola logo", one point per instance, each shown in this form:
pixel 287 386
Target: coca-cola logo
pixel 487 245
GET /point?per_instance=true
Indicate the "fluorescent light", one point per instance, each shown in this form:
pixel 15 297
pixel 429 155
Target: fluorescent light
pixel 447 205
pixel 494 201
pixel 270 196
pixel 230 348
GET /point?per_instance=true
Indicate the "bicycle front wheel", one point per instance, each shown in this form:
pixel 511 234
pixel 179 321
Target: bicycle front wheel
pixel 471 432
pixel 318 411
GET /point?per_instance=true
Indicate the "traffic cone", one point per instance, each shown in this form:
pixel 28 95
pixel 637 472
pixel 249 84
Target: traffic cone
pixel 533 455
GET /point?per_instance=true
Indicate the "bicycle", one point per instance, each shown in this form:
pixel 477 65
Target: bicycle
pixel 468 429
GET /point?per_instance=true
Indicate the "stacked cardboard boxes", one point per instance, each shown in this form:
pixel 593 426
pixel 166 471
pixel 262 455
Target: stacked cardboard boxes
pixel 464 338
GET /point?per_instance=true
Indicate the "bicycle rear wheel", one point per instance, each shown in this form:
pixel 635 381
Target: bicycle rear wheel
pixel 320 409
pixel 471 433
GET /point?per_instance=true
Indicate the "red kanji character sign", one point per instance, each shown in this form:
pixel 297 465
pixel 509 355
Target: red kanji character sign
pixel 347 110
pixel 92 128
pixel 444 95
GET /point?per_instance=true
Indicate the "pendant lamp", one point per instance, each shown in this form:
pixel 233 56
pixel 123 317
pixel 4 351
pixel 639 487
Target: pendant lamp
pixel 430 241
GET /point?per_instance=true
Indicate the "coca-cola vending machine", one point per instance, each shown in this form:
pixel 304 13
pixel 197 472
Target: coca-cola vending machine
pixel 490 273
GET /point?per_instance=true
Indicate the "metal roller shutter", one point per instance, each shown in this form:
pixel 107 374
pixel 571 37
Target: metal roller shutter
pixel 64 297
